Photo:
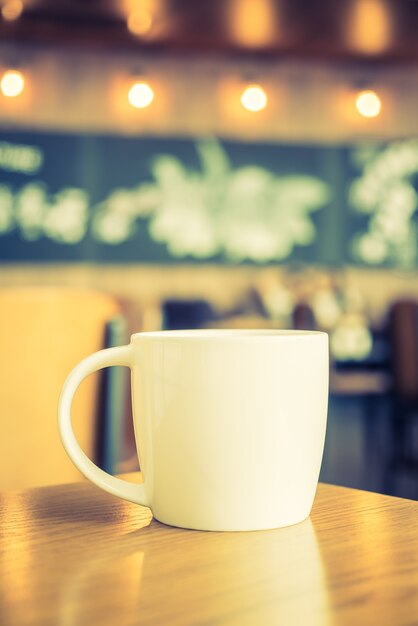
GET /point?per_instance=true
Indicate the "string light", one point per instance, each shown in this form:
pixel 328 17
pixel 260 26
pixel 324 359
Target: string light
pixel 253 23
pixel 368 103
pixel 12 83
pixel 139 22
pixel 140 95
pixel 368 27
pixel 12 10
pixel 254 98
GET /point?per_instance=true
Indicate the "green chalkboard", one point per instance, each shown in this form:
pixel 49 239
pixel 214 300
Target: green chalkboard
pixel 117 199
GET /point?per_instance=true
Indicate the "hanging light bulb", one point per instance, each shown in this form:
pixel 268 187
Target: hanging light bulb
pixel 12 83
pixel 12 10
pixel 368 27
pixel 368 103
pixel 139 22
pixel 140 95
pixel 254 98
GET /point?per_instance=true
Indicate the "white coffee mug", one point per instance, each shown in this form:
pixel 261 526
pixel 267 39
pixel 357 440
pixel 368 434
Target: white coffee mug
pixel 230 425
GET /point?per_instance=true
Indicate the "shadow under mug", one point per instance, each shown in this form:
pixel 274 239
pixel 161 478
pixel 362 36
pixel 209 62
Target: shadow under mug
pixel 229 424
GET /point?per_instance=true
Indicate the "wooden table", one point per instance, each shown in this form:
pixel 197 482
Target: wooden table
pixel 72 555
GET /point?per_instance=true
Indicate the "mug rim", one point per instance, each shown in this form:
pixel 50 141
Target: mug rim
pixel 229 333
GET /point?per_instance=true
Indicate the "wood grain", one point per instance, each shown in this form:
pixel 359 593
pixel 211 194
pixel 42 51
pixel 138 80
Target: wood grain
pixel 74 555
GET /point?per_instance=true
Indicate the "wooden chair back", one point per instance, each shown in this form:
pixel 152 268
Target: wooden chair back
pixel 403 339
pixel 44 332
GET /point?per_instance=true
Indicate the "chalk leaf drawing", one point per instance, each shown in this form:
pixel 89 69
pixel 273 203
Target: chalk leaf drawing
pixel 242 213
pixel 238 212
pixel 62 218
pixel 385 193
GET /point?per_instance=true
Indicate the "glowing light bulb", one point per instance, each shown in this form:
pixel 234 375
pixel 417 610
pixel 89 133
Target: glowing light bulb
pixel 369 25
pixel 253 23
pixel 254 98
pixel 139 22
pixel 12 10
pixel 140 95
pixel 368 103
pixel 12 83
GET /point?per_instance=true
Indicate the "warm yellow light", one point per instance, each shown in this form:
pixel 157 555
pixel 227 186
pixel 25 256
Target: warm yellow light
pixel 252 23
pixel 139 22
pixel 254 98
pixel 12 10
pixel 140 95
pixel 369 26
pixel 368 103
pixel 12 83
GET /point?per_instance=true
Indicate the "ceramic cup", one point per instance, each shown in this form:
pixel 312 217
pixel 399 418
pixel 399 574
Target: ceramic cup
pixel 229 424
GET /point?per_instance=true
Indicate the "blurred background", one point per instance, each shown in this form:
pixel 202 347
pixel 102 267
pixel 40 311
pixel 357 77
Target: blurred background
pixel 172 164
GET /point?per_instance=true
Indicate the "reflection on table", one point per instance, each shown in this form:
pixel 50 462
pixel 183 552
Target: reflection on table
pixel 73 555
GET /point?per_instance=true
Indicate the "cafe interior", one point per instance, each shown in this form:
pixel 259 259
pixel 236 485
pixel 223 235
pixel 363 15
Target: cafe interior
pixel 237 164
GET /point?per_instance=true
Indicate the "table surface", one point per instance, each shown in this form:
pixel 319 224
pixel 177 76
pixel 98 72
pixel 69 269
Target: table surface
pixel 75 555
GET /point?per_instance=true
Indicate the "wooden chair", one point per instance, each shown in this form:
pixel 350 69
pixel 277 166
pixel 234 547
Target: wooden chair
pixel 186 314
pixel 44 332
pixel 403 341
pixel 303 317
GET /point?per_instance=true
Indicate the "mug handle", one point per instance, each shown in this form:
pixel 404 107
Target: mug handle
pixel 116 486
